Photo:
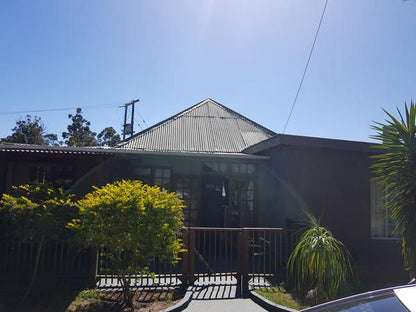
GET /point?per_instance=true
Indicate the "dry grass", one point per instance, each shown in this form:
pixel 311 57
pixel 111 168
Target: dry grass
pixel 280 296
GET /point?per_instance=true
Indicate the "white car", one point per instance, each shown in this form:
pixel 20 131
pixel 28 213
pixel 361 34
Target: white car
pixel 395 299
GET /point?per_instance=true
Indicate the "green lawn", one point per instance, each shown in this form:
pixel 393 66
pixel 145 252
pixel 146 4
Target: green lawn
pixel 280 296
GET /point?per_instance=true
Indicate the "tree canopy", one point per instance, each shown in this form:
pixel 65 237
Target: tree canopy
pixel 108 137
pixel 79 131
pixel 134 223
pixel 31 131
pixel 395 169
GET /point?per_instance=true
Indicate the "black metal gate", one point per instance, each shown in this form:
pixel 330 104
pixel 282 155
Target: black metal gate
pixel 250 257
pixel 247 257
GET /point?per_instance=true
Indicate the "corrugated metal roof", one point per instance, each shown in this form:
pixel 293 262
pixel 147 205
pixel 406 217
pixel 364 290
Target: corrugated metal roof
pixel 206 127
pixel 33 148
pixel 43 149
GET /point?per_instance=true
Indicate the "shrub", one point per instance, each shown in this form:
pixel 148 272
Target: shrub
pixel 37 212
pixel 133 222
pixel 319 264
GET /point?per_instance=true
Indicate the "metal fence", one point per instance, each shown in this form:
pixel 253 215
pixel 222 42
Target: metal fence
pixel 268 252
pixel 248 257
pixel 164 275
pixel 61 264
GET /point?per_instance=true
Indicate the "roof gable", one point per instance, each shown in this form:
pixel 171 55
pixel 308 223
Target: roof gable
pixel 207 127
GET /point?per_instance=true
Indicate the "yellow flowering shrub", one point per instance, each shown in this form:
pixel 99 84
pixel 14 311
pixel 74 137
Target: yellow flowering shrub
pixel 133 222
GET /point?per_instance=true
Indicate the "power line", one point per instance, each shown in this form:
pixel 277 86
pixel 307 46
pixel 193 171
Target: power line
pixel 306 67
pixel 100 106
pixel 136 122
pixel 144 122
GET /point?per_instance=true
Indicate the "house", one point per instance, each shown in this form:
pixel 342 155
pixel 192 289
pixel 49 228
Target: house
pixel 233 172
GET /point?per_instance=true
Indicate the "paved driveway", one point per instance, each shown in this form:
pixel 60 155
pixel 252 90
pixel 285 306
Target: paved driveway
pixel 224 305
pixel 221 297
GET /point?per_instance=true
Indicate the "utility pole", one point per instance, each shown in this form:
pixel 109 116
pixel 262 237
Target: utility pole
pixel 128 127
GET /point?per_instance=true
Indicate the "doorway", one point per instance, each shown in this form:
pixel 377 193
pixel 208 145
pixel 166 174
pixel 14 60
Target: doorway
pixel 214 201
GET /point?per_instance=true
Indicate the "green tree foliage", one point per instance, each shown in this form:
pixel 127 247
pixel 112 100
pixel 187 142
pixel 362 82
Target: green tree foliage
pixel 37 212
pixel 31 131
pixel 395 168
pixel 79 131
pixel 108 137
pixel 319 263
pixel 133 222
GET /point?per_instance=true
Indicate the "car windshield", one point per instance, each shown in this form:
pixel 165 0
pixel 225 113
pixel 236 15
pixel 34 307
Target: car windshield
pixel 385 303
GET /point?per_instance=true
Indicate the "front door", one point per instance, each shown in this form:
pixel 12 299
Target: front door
pixel 214 201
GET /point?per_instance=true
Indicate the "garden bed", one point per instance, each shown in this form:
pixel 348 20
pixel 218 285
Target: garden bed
pixel 279 296
pixel 143 301
pixel 90 301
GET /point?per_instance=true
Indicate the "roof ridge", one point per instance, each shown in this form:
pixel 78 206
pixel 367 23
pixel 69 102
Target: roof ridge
pixel 229 110
pixel 239 116
pixel 213 112
pixel 163 122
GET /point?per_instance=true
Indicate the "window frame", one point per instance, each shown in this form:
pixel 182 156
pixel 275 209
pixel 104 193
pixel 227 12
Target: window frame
pixel 378 207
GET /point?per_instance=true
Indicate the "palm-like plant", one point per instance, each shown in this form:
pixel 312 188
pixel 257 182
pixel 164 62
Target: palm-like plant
pixel 395 169
pixel 319 262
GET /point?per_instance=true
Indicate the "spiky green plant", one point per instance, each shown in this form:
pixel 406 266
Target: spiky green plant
pixel 395 168
pixel 320 263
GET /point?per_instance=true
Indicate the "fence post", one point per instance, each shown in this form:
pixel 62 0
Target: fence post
pixel 191 276
pixel 185 256
pixel 188 266
pixel 92 274
pixel 243 262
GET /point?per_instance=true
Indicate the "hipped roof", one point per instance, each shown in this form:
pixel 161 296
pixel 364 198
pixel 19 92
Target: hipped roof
pixel 207 127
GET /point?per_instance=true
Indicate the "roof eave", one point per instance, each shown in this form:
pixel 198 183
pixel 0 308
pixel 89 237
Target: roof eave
pixel 295 140
pixel 27 148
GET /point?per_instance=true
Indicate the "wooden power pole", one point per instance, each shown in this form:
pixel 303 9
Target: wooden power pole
pixel 128 127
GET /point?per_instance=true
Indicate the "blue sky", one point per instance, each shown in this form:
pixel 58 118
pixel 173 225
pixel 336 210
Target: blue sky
pixel 247 55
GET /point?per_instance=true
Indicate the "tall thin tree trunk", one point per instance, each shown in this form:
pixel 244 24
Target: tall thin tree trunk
pixel 35 269
pixel 127 295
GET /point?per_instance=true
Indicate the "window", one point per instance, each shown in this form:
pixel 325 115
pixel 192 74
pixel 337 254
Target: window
pixel 39 174
pixel 215 167
pixel 144 175
pixel 244 169
pixel 187 188
pixel 157 176
pixel 57 175
pixel 236 168
pixel 381 223
pixel 162 178
pixel 242 203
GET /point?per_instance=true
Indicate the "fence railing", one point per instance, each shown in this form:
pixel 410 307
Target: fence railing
pixel 249 257
pixel 254 257
pixel 61 264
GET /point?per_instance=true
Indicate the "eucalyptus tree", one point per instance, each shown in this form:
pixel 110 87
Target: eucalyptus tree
pixel 108 137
